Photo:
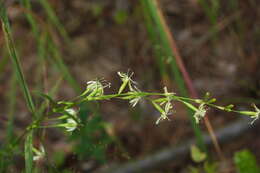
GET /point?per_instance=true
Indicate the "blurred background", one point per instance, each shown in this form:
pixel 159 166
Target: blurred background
pixel 64 44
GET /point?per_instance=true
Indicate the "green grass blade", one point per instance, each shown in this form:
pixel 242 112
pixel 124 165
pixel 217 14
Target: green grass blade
pixel 28 152
pixel 11 97
pixel 161 40
pixel 154 39
pixel 15 59
pixel 18 70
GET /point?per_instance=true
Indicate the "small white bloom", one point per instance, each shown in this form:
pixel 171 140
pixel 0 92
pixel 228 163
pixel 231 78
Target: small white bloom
pixel 71 124
pixel 168 107
pixel 127 80
pixel 167 94
pixel 200 113
pixel 125 76
pixel 133 102
pixel 71 111
pixel 95 88
pixel 165 112
pixel 162 117
pixel 39 154
pixel 257 114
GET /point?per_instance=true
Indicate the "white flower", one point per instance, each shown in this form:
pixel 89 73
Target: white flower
pixel 95 88
pixel 133 102
pixel 257 114
pixel 127 80
pixel 165 112
pixel 200 113
pixel 162 117
pixel 167 94
pixel 167 108
pixel 125 76
pixel 71 111
pixel 71 124
pixel 39 154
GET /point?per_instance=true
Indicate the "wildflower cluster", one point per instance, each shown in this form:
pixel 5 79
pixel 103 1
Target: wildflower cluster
pixel 68 115
pixel 129 91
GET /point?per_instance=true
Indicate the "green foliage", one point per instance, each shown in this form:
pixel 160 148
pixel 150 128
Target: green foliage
pixel 210 167
pixel 21 79
pixel 201 157
pixel 14 57
pixel 194 170
pixel 245 162
pixel 58 158
pixel 28 154
pixel 92 138
pixel 197 155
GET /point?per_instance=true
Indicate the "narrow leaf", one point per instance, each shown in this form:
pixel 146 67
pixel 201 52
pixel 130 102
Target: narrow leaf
pixel 28 152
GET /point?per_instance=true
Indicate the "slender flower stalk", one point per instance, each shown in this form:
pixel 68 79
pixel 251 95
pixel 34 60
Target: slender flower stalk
pixel 160 101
